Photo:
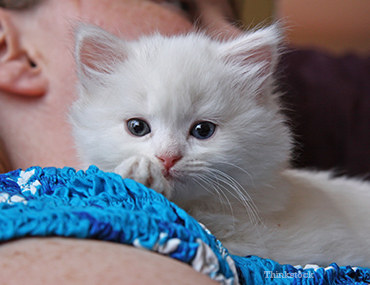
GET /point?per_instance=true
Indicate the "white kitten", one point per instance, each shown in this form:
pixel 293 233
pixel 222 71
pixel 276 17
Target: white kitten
pixel 198 120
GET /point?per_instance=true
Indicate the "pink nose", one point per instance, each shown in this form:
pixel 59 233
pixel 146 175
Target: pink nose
pixel 169 161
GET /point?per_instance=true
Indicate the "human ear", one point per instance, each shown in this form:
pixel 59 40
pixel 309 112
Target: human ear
pixel 19 73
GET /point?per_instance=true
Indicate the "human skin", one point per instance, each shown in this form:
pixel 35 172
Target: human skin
pixel 60 261
pixel 37 81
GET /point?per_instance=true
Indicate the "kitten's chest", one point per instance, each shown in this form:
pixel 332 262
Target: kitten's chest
pixel 312 228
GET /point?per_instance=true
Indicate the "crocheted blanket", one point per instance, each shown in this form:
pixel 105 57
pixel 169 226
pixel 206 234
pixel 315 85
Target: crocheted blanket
pixel 100 205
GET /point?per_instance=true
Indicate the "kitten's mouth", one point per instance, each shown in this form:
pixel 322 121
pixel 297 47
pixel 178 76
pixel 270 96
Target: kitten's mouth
pixel 170 176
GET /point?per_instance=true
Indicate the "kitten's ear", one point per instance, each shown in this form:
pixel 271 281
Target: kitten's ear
pixel 255 53
pixel 97 52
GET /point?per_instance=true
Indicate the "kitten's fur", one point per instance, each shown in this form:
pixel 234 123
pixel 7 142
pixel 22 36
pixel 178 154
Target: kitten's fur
pixel 236 182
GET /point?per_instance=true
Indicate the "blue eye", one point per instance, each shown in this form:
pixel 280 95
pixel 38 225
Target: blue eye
pixel 138 127
pixel 203 130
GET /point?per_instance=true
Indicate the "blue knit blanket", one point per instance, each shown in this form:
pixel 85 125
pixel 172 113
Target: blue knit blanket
pixel 100 205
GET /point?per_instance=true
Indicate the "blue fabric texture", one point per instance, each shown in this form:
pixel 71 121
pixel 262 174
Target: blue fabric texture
pixel 98 205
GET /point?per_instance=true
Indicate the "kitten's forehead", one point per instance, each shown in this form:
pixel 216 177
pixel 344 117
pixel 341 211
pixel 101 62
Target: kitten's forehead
pixel 176 99
pixel 181 78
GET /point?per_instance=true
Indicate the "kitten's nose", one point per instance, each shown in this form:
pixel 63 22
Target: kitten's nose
pixel 169 161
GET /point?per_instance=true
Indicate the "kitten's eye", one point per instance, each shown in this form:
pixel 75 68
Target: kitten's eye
pixel 138 127
pixel 203 130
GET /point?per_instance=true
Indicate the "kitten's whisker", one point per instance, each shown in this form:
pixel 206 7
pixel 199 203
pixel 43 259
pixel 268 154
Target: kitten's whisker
pixel 238 167
pixel 270 186
pixel 222 196
pixel 241 195
pixel 225 182
pixel 237 197
pixel 205 179
pixel 217 192
pixel 197 164
pixel 234 181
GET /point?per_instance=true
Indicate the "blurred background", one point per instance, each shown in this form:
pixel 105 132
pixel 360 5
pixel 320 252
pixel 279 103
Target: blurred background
pixel 339 26
pixel 325 79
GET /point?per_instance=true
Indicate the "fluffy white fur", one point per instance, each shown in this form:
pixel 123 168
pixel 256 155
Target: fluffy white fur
pixel 236 182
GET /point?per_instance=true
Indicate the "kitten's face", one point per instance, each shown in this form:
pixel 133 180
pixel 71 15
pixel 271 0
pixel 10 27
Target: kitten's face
pixel 184 101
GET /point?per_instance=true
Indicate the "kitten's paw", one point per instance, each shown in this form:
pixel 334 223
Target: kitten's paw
pixel 145 171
